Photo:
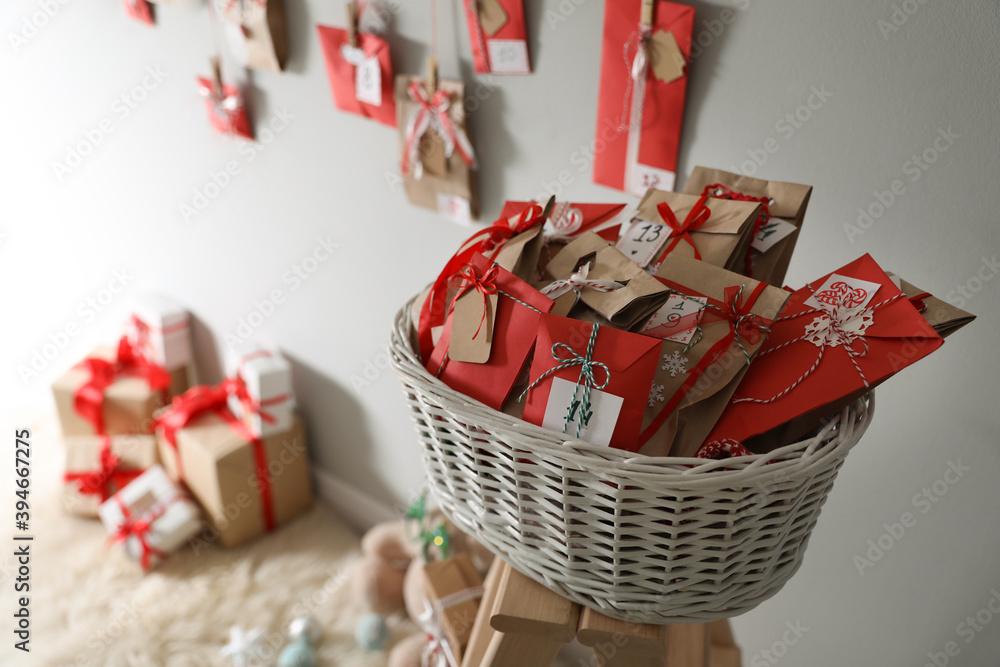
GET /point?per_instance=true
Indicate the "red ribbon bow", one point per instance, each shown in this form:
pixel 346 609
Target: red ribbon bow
pixel 139 529
pixel 88 401
pixel 696 217
pixel 97 482
pixel 742 320
pixel 466 279
pixel 489 241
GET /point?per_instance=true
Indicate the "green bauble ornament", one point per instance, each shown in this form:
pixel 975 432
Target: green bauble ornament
pixel 298 654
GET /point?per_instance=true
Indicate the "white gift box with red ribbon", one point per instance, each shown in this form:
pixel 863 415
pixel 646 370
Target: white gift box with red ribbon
pixel 151 516
pixel 161 328
pixel 268 402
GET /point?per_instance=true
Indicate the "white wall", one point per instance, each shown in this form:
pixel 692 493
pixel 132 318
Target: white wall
pixel 323 176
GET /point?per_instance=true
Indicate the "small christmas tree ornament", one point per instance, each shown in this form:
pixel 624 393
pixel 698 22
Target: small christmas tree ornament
pixel 305 634
pixel 371 633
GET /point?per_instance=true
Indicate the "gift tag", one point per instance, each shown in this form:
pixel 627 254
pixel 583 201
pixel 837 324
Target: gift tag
pixel 643 177
pixel 772 232
pixel 677 319
pixel 456 209
pixel 472 323
pixel 852 293
pixel 492 16
pixel 643 240
pixel 508 56
pixel 665 56
pixel 368 81
pixel 598 422
pixel 432 156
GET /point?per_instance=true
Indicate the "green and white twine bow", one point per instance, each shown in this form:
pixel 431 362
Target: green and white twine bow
pixel 584 380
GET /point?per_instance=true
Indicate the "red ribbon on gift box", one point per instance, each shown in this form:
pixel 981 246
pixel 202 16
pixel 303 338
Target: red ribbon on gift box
pixel 140 529
pixel 467 279
pixel 88 401
pixel 202 398
pixel 696 217
pixel 249 403
pixel 97 482
pixel 489 241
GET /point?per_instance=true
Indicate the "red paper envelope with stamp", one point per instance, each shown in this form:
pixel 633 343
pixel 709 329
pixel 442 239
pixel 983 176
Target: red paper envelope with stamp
pixel 360 76
pixel 643 84
pixel 836 339
pixel 498 36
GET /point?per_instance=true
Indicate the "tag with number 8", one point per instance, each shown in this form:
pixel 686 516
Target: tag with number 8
pixel 643 240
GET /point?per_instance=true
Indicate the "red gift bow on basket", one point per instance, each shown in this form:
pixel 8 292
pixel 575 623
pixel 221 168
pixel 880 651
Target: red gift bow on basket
pixel 96 482
pixel 744 325
pixel 202 398
pixel 720 191
pixel 88 400
pixel 140 529
pixel 696 217
pixel 432 114
pixel 489 241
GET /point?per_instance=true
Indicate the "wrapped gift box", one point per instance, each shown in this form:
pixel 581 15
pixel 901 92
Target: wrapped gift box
pixel 264 399
pixel 151 516
pixel 160 330
pixel 99 466
pixel 454 588
pixel 112 392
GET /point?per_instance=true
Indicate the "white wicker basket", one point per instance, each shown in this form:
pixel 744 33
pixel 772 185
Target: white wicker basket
pixel 642 539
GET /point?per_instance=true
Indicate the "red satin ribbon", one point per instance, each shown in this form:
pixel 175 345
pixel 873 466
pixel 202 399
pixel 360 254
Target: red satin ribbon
pixel 731 312
pixel 201 399
pixel 97 482
pixel 466 279
pixel 489 241
pixel 713 190
pixel 918 301
pixel 88 401
pixel 696 217
pixel 140 529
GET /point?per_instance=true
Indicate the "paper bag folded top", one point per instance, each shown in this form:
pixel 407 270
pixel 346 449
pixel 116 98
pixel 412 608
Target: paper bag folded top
pixel 256 32
pixel 943 317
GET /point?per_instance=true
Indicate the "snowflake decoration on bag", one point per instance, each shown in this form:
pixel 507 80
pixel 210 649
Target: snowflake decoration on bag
pixel 675 363
pixel 655 395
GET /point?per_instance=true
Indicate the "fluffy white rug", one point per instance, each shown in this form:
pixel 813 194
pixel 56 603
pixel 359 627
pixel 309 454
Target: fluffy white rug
pixel 92 607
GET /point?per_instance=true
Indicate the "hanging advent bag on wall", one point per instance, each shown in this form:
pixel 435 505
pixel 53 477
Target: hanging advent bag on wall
pixel 139 10
pixel 255 31
pixel 641 101
pixel 498 36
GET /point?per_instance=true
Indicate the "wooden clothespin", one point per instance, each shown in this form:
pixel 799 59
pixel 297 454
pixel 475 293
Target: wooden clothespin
pixel 432 76
pixel 646 17
pixel 352 23
pixel 216 78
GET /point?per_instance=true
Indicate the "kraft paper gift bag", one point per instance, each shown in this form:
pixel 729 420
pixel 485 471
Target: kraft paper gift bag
pixel 943 317
pixel 498 36
pixel 640 105
pixel 712 325
pixel 255 31
pixel 360 75
pixel 438 164
pixel 715 231
pixel 777 228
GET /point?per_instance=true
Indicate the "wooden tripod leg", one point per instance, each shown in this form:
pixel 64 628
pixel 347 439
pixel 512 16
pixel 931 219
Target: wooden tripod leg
pixel 482 631
pixel 723 649
pixel 687 645
pixel 619 644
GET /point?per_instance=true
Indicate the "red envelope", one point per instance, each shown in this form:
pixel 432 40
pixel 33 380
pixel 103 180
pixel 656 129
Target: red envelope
pixel 355 88
pixel 793 375
pixel 568 221
pixel 498 36
pixel 616 409
pixel 644 156
pixel 227 115
pixel 139 10
pixel 515 326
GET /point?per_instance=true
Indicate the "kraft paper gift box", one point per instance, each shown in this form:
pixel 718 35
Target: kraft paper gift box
pixel 488 337
pixel 456 580
pixel 715 231
pixel 99 466
pixel 438 171
pixel 712 325
pixel 360 75
pixel 498 36
pixel 160 329
pixel 943 317
pixel 248 486
pixel 773 239
pixel 255 32
pixel 641 100
pixel 111 392
pixel 589 381
pixel 837 338
pixel 151 516
pixel 139 10
pixel 227 112
pixel 627 307
pixel 514 242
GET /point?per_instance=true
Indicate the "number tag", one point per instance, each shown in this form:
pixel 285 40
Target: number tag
pixel 772 232
pixel 643 240
pixel 508 56
pixel 677 319
pixel 368 82
pixel 598 422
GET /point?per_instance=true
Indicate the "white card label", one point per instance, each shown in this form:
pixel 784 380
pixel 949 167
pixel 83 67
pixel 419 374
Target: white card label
pixel 643 177
pixel 454 208
pixel 368 82
pixel 677 319
pixel 852 293
pixel 598 422
pixel 773 231
pixel 643 240
pixel 508 56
